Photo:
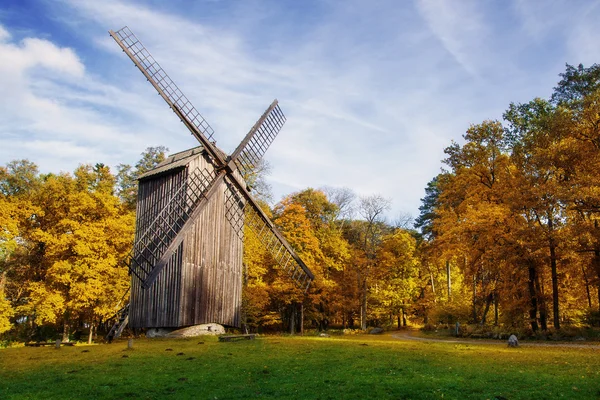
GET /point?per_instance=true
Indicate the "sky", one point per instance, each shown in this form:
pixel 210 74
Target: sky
pixel 373 90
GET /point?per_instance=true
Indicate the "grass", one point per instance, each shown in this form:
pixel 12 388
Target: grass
pixel 355 367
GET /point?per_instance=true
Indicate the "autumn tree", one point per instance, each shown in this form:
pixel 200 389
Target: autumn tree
pixel 365 237
pixel 395 279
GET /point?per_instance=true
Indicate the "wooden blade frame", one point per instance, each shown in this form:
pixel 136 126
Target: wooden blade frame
pixel 181 207
pixel 246 155
pixel 257 141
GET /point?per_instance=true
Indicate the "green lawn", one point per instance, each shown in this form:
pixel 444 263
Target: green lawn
pixel 353 367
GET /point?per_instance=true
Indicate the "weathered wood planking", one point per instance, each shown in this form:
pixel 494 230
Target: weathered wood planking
pixel 203 280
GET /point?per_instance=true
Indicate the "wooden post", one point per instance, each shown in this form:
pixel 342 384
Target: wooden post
pixel 301 319
pixel 130 344
pixel 293 319
pixel 57 345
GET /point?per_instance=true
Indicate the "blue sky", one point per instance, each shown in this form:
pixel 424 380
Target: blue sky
pixel 373 90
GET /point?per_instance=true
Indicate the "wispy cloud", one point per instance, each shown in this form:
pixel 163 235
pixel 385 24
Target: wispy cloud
pixel 459 27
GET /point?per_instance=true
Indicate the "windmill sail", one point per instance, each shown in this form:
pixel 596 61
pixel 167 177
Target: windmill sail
pixel 168 90
pixel 257 141
pixel 279 248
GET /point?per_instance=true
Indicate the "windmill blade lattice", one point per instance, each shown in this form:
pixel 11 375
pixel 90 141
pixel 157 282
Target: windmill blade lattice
pixel 234 208
pixel 161 82
pixel 257 141
pixel 152 243
pixel 278 247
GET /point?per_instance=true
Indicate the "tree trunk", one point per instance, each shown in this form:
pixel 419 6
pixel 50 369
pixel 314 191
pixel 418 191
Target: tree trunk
pixel 293 318
pixel 474 308
pixel 432 287
pixel 587 286
pixel 488 302
pixel 449 279
pixel 301 319
pixel 91 335
pixel 555 299
pixel 403 317
pixel 533 297
pixel 65 334
pixel 363 308
pixel 495 308
pixel 596 263
pixel 541 302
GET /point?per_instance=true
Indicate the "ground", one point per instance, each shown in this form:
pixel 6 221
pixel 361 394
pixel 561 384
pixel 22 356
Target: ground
pixel 344 367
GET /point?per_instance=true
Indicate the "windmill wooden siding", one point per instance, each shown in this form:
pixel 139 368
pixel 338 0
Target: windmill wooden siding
pixel 202 282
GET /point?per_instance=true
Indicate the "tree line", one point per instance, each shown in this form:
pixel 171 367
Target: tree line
pixel 513 219
pixel 507 235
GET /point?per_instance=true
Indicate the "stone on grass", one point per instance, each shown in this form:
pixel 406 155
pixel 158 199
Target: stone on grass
pixel 323 334
pixel 198 330
pixel 376 331
pixel 513 341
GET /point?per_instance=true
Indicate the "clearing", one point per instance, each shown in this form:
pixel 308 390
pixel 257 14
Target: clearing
pixel 345 367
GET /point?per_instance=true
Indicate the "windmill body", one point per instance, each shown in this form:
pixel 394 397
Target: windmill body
pixel 202 281
pixel 186 261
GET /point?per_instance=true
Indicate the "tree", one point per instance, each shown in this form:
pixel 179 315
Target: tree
pixel 344 198
pixel 63 241
pixel 308 221
pixel 366 237
pixel 19 178
pixel 576 84
pixel 427 214
pixel 395 286
pixel 537 133
pixel 256 179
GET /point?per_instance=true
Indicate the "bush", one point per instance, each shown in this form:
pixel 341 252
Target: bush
pixel 450 313
pixel 591 317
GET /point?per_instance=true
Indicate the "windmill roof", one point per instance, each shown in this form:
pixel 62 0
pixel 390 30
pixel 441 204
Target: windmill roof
pixel 177 160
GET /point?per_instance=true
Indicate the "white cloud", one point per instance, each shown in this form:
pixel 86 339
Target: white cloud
pixel 53 106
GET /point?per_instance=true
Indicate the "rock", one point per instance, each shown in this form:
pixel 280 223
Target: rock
pixel 580 339
pixel 376 331
pixel 198 330
pixel 323 334
pixel 513 341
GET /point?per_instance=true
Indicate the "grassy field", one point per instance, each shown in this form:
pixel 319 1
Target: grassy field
pixel 353 367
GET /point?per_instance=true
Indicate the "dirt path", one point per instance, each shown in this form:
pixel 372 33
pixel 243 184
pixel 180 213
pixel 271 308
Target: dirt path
pixel 410 336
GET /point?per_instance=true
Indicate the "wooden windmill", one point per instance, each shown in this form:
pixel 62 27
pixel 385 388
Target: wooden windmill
pixel 186 262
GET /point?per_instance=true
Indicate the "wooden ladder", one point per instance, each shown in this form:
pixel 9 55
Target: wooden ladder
pixel 122 320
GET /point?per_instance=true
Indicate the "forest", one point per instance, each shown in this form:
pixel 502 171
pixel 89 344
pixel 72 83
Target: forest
pixel 508 238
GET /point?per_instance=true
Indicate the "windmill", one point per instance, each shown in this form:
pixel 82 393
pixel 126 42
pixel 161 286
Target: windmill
pixel 186 261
